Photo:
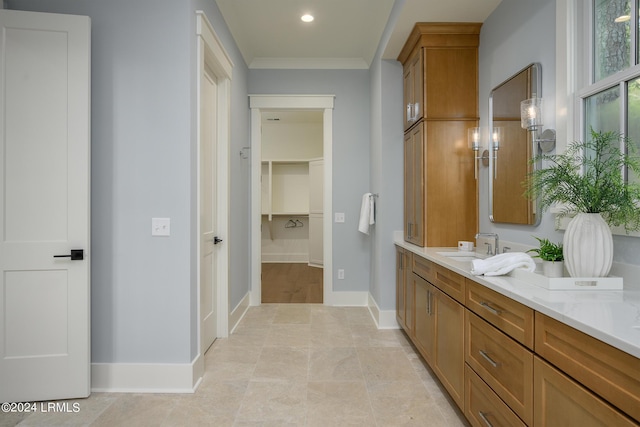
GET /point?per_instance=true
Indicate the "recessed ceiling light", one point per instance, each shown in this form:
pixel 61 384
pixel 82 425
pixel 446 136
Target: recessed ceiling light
pixel 623 18
pixel 307 18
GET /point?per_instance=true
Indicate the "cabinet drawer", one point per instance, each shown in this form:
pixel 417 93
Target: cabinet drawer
pixel 483 407
pixel 560 401
pixel 423 268
pixel 511 317
pixel 449 282
pixel 502 363
pixel 607 371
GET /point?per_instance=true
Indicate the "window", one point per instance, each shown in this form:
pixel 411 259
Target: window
pixel 610 97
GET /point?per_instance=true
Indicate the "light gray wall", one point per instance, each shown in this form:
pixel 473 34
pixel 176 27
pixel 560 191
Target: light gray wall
pixel 143 100
pixel 387 163
pixel 350 156
pixel 516 34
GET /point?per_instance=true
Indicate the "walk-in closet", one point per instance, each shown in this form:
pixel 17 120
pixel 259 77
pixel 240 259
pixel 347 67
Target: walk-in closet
pixel 292 208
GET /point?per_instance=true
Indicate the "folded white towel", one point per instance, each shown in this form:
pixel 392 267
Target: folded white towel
pixel 502 264
pixel 367 216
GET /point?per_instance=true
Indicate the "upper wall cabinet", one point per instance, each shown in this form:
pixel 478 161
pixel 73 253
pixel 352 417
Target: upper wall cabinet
pixel 438 60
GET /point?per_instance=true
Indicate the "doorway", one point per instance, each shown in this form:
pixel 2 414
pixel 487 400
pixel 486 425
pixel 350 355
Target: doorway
pixel 262 108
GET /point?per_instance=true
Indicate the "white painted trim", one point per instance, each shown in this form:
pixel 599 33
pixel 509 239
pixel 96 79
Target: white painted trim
pixel 238 313
pixel 297 258
pixel 211 52
pixel 293 102
pixel 384 319
pixel 349 299
pixel 147 377
pixel 309 63
pixel 566 36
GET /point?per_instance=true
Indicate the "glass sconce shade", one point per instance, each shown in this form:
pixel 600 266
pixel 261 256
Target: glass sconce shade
pixel 496 137
pixel 474 138
pixel 531 113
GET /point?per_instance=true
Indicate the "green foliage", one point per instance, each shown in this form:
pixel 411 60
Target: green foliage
pixel 548 251
pixel 588 177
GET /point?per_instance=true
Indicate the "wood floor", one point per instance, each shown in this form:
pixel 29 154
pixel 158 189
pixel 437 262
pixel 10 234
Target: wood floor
pixel 291 283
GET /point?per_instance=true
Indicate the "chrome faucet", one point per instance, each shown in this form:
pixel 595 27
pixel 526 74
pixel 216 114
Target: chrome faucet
pixel 496 243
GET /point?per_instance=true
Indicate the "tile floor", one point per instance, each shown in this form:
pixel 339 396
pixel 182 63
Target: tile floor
pixel 287 365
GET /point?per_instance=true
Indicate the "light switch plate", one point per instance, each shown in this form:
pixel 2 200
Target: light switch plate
pixel 160 226
pixel 339 217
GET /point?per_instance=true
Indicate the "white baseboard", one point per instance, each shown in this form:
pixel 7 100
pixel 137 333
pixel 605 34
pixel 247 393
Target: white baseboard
pixel 348 299
pixel 238 312
pixel 147 377
pixel 385 319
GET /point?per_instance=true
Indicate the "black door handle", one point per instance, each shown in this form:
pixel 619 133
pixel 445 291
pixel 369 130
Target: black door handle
pixel 217 240
pixel 75 255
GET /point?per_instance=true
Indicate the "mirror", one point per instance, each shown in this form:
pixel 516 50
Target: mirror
pixel 510 149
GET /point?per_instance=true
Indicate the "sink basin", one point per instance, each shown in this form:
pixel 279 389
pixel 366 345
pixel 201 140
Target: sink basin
pixel 460 255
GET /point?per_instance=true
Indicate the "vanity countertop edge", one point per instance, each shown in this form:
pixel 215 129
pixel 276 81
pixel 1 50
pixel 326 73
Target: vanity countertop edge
pixel 612 317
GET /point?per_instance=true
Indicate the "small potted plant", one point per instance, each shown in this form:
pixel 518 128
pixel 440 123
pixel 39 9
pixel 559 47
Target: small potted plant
pixel 551 255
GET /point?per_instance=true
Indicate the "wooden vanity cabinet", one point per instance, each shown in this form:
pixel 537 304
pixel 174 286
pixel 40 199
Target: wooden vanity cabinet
pixel 439 327
pixel 440 68
pixel 610 373
pixel 503 363
pixel 404 290
pixel 560 401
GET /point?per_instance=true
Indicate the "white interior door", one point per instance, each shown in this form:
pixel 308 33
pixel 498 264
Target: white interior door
pixel 44 206
pixel 208 210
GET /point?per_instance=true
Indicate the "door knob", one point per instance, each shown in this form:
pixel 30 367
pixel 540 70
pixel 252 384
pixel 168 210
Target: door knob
pixel 217 240
pixel 75 255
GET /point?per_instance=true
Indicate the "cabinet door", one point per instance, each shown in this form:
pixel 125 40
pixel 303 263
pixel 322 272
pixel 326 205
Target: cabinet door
pixel 405 291
pixel 414 89
pixel 400 287
pixel 560 401
pixel 425 317
pixel 449 351
pixel 414 186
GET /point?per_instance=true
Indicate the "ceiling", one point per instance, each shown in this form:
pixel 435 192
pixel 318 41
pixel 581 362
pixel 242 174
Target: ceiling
pixel 344 34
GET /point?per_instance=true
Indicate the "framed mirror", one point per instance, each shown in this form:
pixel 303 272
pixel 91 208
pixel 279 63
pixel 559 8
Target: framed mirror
pixel 510 149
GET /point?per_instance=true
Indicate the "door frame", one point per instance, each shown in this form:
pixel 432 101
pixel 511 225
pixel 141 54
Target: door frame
pixel 259 103
pixel 211 54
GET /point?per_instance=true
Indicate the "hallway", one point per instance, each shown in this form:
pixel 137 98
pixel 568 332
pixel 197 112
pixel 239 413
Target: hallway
pixel 287 365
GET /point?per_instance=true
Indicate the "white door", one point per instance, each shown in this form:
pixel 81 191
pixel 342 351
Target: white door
pixel 44 206
pixel 208 209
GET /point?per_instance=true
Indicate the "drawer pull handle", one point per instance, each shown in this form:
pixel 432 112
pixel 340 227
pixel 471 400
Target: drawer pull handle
pixel 491 309
pixel 484 418
pixel 489 359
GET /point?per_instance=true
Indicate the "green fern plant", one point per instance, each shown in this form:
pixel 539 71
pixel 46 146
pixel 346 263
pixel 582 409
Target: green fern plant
pixel 548 251
pixel 588 178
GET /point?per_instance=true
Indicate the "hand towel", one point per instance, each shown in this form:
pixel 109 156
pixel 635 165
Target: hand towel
pixel 502 264
pixel 367 216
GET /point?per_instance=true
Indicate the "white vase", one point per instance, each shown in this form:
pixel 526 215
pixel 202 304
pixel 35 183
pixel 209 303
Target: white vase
pixel 588 246
pixel 553 268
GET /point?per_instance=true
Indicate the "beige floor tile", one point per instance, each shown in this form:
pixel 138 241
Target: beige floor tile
pixel 217 410
pixel 75 412
pixel 275 402
pixel 293 313
pixel 289 335
pixel 283 363
pixel 333 316
pixel 404 404
pixel 383 364
pixel 323 336
pixel 335 364
pixel 338 403
pixel 359 315
pixel 139 410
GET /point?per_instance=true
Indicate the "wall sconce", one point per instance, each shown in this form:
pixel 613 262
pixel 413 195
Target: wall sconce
pixel 531 120
pixel 476 146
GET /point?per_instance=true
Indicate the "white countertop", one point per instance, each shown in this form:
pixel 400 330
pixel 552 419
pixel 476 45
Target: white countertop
pixel 610 316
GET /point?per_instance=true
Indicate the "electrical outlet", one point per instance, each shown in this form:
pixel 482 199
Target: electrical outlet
pixel 160 226
pixel 339 217
pixel 341 274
